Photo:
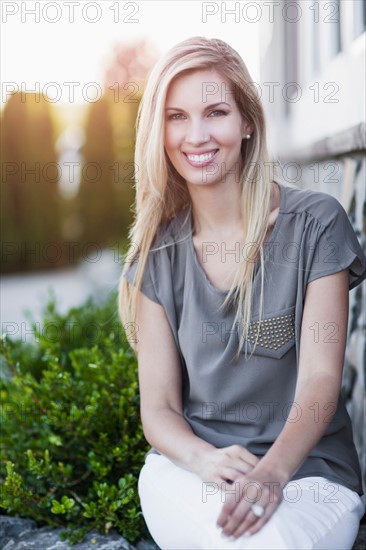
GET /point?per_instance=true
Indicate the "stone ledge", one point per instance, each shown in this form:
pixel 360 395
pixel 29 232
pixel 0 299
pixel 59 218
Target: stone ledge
pixel 23 534
pixel 360 543
pixel 345 142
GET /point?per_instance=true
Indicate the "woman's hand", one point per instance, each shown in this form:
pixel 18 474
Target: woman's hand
pixel 226 464
pixel 257 487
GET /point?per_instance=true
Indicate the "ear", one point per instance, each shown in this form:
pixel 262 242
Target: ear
pixel 246 128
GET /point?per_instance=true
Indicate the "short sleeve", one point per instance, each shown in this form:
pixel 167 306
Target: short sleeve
pixel 333 244
pixel 148 285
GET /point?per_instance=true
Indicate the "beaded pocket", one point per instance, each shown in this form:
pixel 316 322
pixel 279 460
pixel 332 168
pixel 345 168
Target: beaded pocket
pixel 276 334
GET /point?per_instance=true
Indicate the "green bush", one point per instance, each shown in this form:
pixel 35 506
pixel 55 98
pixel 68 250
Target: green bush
pixel 72 443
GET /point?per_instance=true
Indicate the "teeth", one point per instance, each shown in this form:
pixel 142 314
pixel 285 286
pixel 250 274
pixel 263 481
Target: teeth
pixel 201 158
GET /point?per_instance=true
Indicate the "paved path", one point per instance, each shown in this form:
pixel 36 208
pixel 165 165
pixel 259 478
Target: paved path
pixel 72 286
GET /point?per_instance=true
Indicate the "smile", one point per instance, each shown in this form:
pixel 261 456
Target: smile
pixel 202 158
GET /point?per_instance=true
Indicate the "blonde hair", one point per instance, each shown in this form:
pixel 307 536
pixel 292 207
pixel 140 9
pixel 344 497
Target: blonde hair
pixel 161 192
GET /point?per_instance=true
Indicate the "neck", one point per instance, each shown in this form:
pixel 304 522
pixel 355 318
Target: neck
pixel 216 209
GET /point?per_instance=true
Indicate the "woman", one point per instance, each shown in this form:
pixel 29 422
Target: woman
pixel 238 287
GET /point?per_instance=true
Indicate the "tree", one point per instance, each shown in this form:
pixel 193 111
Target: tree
pixel 109 147
pixel 96 197
pixel 29 185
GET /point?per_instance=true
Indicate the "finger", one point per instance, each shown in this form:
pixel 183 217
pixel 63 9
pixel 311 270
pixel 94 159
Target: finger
pixel 241 453
pixel 249 458
pixel 241 515
pixel 226 512
pixel 245 465
pixel 232 473
pixel 252 523
pixel 237 451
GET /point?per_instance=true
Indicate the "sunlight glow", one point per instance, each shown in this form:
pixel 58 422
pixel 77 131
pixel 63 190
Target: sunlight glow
pixel 47 44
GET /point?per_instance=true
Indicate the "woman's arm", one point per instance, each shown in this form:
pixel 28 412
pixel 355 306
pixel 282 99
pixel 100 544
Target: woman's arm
pixel 316 396
pixel 320 373
pixel 162 418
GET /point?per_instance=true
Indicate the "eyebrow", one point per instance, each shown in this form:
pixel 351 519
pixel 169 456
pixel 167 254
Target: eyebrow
pixel 212 106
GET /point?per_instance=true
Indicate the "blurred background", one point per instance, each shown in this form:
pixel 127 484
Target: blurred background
pixel 72 76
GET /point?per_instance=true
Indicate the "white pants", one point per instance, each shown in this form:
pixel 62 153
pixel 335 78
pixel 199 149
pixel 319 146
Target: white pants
pixel 181 512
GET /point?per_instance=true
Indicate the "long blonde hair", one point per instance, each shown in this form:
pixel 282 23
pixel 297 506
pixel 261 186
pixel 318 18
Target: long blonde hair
pixel 161 192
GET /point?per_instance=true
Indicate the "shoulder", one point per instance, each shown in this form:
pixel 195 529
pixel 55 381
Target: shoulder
pixel 322 207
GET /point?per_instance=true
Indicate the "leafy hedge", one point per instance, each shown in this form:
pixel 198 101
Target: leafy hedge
pixel 72 444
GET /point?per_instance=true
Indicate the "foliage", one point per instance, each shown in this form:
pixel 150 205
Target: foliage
pixel 55 212
pixel 30 205
pixel 72 441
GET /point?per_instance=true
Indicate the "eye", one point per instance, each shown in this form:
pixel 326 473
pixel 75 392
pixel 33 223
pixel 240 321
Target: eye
pixel 217 113
pixel 176 116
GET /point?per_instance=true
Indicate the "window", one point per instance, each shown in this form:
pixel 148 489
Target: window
pixel 291 61
pixel 335 28
pixel 315 43
pixel 359 17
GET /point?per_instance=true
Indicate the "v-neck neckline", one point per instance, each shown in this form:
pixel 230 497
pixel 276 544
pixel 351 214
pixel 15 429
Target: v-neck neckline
pixel 266 247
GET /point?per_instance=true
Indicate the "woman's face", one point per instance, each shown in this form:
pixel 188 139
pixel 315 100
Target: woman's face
pixel 204 129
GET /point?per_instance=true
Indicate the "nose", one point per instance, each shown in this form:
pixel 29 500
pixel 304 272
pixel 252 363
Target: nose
pixel 197 132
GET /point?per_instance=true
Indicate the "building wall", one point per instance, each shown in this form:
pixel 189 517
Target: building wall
pixel 318 127
pixel 329 85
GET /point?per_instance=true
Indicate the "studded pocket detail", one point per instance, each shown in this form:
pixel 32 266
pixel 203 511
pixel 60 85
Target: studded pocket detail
pixel 276 334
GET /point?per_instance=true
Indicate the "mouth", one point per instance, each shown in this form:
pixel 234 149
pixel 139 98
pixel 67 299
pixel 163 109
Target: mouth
pixel 201 159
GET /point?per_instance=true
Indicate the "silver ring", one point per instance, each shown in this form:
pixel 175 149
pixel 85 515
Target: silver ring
pixel 257 510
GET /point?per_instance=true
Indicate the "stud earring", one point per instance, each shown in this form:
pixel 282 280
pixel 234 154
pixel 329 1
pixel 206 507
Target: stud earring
pixel 248 136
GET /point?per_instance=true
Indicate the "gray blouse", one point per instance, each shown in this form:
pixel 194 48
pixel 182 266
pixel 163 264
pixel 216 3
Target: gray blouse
pixel 248 403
